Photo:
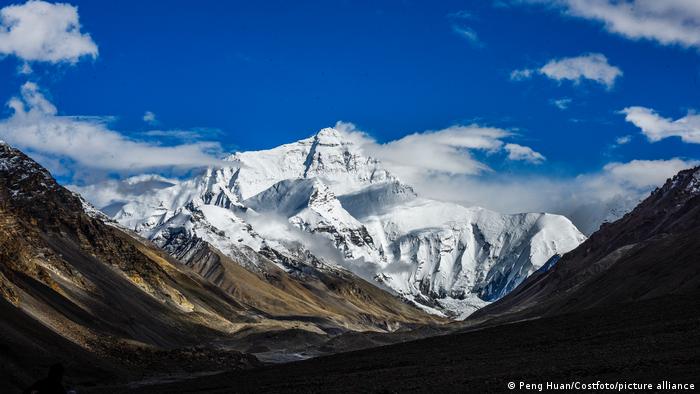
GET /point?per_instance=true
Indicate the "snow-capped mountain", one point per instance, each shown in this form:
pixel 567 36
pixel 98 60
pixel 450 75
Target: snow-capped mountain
pixel 323 196
pixel 457 259
pixel 331 156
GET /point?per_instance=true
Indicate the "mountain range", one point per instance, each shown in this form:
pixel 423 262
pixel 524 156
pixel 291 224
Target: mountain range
pixel 324 200
pixel 236 268
pixel 619 310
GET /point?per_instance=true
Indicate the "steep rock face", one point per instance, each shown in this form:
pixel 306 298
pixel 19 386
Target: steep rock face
pixel 650 252
pixel 446 258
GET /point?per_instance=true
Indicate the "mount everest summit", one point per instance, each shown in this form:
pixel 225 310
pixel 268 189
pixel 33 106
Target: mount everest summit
pixel 322 199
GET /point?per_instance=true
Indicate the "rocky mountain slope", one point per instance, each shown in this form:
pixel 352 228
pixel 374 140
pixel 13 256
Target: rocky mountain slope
pixel 321 199
pixel 77 288
pixel 650 252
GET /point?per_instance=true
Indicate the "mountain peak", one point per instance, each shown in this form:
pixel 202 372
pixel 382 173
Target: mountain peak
pixel 672 197
pixel 22 176
pixel 328 135
pixel 330 155
pixel 687 180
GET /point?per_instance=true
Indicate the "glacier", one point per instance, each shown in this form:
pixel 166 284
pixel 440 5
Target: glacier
pixel 324 197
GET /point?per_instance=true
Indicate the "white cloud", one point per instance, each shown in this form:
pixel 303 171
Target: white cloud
pixel 656 127
pixel 89 143
pixel 149 117
pixel 562 103
pixel 669 22
pixel 645 173
pixel 519 75
pixel 41 31
pixel 469 34
pixel 523 153
pixel 623 140
pixel 448 151
pixel 591 66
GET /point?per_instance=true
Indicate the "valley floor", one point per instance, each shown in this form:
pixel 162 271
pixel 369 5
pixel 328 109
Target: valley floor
pixel 649 341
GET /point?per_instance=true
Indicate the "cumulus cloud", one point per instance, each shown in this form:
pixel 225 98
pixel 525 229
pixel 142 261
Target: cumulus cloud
pixel 591 66
pixel 523 153
pixel 41 31
pixel 87 142
pixel 668 22
pixel 656 128
pixel 448 151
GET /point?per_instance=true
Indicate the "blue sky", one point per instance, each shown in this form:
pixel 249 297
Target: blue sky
pixel 253 75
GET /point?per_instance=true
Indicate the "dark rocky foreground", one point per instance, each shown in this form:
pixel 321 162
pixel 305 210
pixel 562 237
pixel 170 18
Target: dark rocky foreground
pixel 646 341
